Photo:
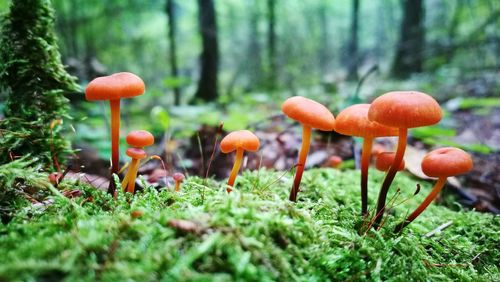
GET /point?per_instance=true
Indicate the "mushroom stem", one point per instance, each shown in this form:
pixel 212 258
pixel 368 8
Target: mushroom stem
pixel 115 134
pixel 127 176
pixel 389 177
pixel 132 177
pixel 236 168
pixel 365 162
pixel 177 186
pixel 428 200
pixel 304 150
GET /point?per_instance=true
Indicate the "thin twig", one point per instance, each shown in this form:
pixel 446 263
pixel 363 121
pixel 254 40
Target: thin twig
pixel 439 229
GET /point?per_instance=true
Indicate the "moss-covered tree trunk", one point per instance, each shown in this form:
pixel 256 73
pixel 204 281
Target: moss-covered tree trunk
pixel 34 81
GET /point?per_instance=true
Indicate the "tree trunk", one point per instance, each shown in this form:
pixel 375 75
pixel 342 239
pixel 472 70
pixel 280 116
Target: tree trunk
pixel 254 48
pixel 352 71
pixel 209 59
pixel 324 58
pixel 271 42
pixel 411 46
pixel 172 31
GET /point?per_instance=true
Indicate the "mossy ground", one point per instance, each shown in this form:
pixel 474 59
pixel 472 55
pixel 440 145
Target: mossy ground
pixel 253 234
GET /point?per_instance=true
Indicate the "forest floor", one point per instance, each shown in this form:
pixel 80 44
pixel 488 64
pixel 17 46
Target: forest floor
pixel 253 234
pixel 475 130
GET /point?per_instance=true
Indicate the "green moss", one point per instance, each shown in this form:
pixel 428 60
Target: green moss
pixel 34 81
pixel 253 234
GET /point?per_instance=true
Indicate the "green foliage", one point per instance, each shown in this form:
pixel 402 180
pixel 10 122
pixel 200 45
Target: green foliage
pixel 18 179
pixel 34 81
pixel 253 234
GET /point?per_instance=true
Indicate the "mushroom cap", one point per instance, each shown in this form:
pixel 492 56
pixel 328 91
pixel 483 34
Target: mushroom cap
pixel 136 153
pixel 309 112
pixel 448 161
pixel 405 109
pixel 115 86
pixel 334 161
pixel 239 139
pixel 178 176
pixel 353 121
pixel 140 138
pixel 385 160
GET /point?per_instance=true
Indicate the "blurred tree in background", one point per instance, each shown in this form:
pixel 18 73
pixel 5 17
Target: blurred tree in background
pixel 213 50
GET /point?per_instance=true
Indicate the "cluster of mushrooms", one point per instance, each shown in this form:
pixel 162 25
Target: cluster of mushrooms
pixel 391 114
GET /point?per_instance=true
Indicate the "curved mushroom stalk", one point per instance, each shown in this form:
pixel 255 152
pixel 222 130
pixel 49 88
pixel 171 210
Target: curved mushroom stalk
pixel 125 180
pixel 389 177
pixel 428 200
pixel 133 176
pixel 236 168
pixel 304 150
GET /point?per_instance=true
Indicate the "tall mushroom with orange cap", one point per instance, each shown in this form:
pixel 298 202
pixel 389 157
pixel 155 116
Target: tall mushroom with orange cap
pixel 440 163
pixel 353 121
pixel 113 88
pixel 402 110
pixel 310 114
pixel 241 141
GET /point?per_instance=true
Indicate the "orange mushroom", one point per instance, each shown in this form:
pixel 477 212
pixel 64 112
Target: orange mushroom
pixel 403 110
pixel 385 160
pixel 241 141
pixel 178 178
pixel 353 121
pixel 113 88
pixel 334 161
pixel 440 163
pixel 310 114
pixel 137 155
pixel 138 139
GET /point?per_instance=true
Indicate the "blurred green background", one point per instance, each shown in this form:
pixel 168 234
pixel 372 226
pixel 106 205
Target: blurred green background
pixel 236 60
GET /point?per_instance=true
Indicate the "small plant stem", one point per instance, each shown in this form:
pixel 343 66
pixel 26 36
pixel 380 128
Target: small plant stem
pixel 365 162
pixel 127 176
pixel 428 200
pixel 236 168
pixel 132 177
pixel 389 177
pixel 115 136
pixel 304 150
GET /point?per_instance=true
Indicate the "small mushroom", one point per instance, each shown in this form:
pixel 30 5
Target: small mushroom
pixel 241 141
pixel 440 163
pixel 402 110
pixel 178 178
pixel 113 88
pixel 385 160
pixel 138 139
pixel 353 121
pixel 137 154
pixel 310 114
pixel 334 161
